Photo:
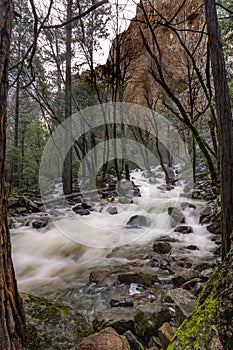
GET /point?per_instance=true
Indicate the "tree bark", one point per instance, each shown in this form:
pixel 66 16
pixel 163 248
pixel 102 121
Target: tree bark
pixel 12 318
pixel 67 172
pixel 224 123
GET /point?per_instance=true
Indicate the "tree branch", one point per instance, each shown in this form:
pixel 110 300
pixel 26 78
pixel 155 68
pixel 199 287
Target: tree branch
pixel 79 16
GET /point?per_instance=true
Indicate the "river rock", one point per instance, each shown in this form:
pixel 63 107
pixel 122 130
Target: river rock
pixel 183 229
pixel 40 223
pixel 112 210
pixel 165 334
pixel 121 303
pixel 205 213
pixel 192 247
pixel 125 188
pixel 120 318
pixel 133 342
pixel 162 247
pixel 186 205
pixel 148 318
pixel 53 325
pixel 107 339
pixel 145 279
pixel 82 212
pixel 139 221
pixel 205 274
pixel 184 276
pixel 215 228
pixel 177 215
pixel 184 301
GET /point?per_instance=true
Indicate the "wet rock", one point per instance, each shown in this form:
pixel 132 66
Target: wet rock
pixel 148 318
pixel 125 200
pixel 215 228
pixel 186 205
pixel 53 325
pixel 205 265
pixel 107 339
pixel 144 328
pixel 125 188
pixel 139 221
pixel 112 210
pixel 139 278
pixel 205 213
pixel 217 239
pixel 168 239
pixel 192 247
pixel 121 303
pixel 183 229
pixel 183 277
pixel 40 223
pixel 205 274
pixel 162 247
pixel 81 211
pixel 120 318
pixel 184 301
pixel 154 343
pixel 165 334
pixel 177 215
pixel 133 342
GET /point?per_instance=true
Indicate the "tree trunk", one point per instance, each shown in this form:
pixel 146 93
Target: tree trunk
pixel 224 123
pixel 67 172
pixel 12 318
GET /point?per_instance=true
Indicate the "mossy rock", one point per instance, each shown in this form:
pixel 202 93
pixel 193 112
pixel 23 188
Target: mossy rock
pixel 210 326
pixel 53 325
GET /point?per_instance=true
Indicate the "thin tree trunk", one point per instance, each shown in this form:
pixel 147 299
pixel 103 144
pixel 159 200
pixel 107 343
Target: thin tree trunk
pixel 12 318
pixel 224 123
pixel 67 172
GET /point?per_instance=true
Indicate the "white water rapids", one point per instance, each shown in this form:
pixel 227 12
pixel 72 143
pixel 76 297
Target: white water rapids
pixel 49 259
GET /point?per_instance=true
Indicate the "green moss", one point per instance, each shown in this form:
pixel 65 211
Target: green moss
pixel 53 325
pixel 196 331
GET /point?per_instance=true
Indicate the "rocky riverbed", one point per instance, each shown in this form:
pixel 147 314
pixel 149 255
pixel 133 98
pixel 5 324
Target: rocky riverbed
pixel 134 292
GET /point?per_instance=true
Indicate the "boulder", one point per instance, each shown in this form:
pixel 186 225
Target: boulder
pixel 107 339
pixel 112 210
pixel 177 215
pixel 186 205
pixel 40 223
pixel 133 342
pixel 192 247
pixel 183 229
pixel 125 188
pixel 119 318
pixel 148 318
pixel 165 334
pixel 184 276
pixel 145 279
pixel 53 325
pixel 81 211
pixel 184 301
pixel 205 213
pixel 139 221
pixel 162 247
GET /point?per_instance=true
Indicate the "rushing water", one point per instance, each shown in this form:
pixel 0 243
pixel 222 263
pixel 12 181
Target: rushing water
pixel 52 258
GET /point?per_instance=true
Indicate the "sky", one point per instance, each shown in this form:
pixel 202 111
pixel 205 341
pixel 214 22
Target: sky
pixel 126 14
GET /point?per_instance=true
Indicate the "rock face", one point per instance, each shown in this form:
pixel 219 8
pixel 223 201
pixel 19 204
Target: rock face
pixel 140 87
pixel 211 324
